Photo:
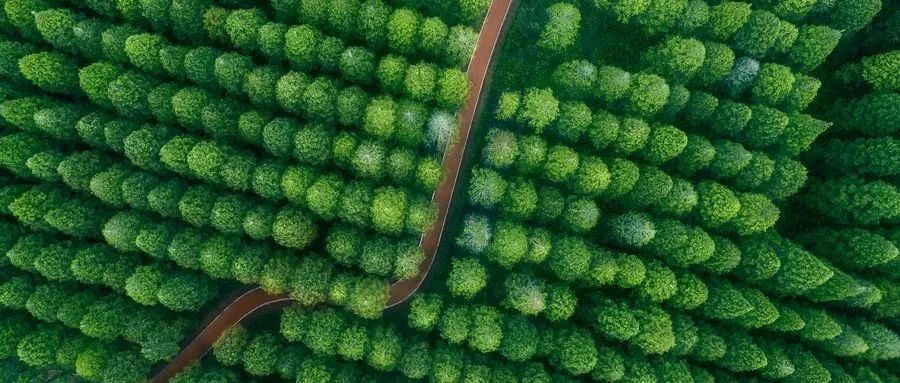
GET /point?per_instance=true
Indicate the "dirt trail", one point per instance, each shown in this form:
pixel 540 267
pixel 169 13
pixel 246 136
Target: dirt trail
pixel 255 299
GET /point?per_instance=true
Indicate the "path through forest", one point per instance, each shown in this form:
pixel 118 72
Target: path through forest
pixel 256 300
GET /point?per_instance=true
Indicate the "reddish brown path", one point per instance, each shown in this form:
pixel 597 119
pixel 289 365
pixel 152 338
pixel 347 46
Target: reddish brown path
pixel 478 69
pixel 255 299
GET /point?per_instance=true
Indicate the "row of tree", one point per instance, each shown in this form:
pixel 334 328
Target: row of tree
pixel 209 372
pixel 379 25
pixel 757 33
pixel 646 186
pixel 206 160
pixel 264 354
pixel 466 11
pixel 758 126
pixel 64 260
pixel 850 16
pixel 96 313
pixel 310 279
pixel 53 346
pixel 134 95
pixel 766 261
pixel 199 205
pixel 711 205
pixel 853 197
pixel 776 174
pixel 304 47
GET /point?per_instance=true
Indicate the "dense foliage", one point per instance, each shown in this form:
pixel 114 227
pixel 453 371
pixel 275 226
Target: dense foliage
pixel 656 191
pixel 684 191
pixel 157 155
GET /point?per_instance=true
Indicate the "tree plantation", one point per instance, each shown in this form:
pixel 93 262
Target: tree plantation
pixel 646 191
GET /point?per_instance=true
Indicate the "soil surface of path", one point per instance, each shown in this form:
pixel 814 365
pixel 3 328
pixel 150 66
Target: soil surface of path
pixel 255 299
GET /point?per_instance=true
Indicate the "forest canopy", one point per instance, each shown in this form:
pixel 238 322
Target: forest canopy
pixel 652 191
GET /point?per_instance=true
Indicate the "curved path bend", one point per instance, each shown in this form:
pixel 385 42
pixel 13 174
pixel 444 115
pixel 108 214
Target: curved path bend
pixel 255 299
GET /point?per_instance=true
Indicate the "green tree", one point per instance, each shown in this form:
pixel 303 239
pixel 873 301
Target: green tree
pixel 425 311
pixel 631 229
pixel 485 333
pixel 575 79
pixel 612 83
pixel 581 215
pixel 301 45
pixel 401 30
pixel 416 360
pixel 561 28
pixel 467 277
pixel 659 282
pixel 508 244
pixel 692 291
pixel 868 156
pixel 432 36
pixel 293 228
pixel 501 149
pixel 757 214
pixel 660 17
pixel 852 200
pixel 476 234
pixel 143 284
pixel 455 323
pixel 38 348
pixel 873 114
pixel 486 188
pixel 231 71
pixel 717 204
pixel 676 58
pixel 261 354
pixel 389 208
pixel 143 51
pixel 357 64
pixel 773 83
pixel 520 201
pixel 758 34
pixel 742 354
pixel 726 18
pixel 525 293
pixel 877 69
pixel 185 291
pixel 814 44
pixel 50 71
pixel 532 153
pixel 576 353
pixel 507 105
pixel 561 163
pixel 681 200
pixel 520 338
pixel 853 248
pixel 717 63
pixel 649 187
pixel 378 256
pixel 570 258
pixel 452 88
pixel 647 94
pixel 420 81
pixel 574 118
pixel 664 143
pixel 538 109
pixel 613 319
pixel 229 348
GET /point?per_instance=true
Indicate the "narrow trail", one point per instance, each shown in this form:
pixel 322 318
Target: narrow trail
pixel 255 299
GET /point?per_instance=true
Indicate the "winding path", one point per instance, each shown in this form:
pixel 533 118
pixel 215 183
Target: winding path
pixel 255 299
